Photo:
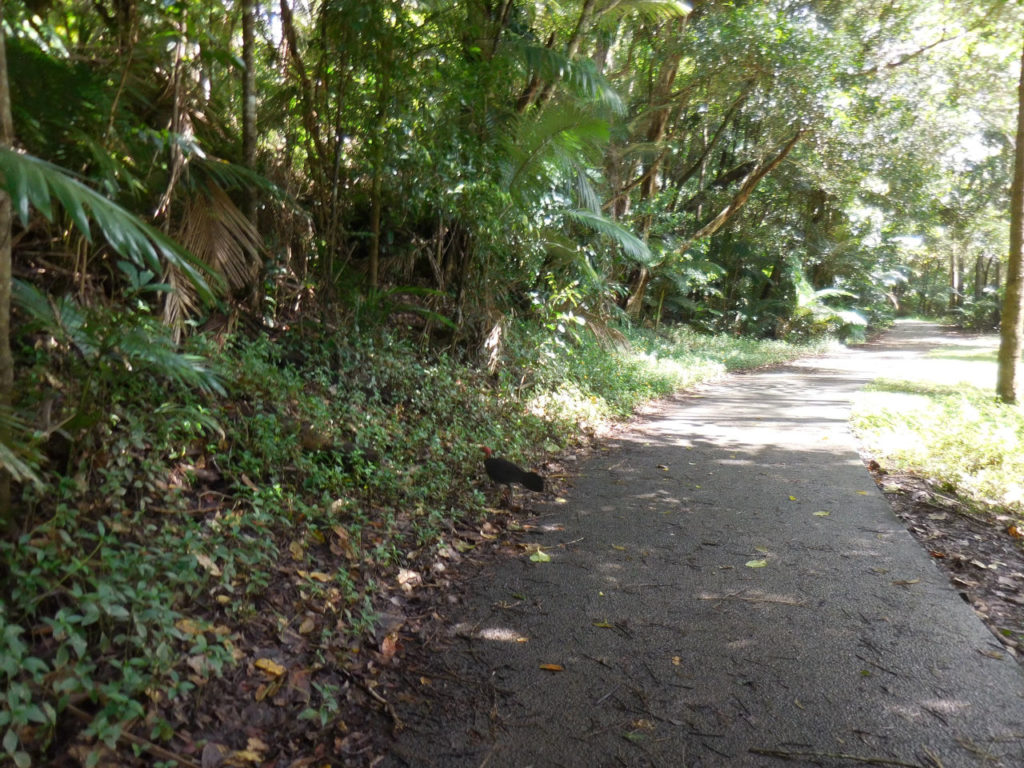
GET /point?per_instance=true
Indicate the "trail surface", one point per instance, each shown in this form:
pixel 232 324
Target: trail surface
pixel 700 608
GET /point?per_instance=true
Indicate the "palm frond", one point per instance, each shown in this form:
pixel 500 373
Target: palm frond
pixel 59 317
pixel 139 346
pixel 17 455
pixel 631 245
pixel 657 9
pixel 34 183
pixel 553 143
pixel 581 75
pixel 221 237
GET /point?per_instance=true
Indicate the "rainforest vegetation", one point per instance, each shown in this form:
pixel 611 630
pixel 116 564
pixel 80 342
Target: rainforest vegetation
pixel 272 271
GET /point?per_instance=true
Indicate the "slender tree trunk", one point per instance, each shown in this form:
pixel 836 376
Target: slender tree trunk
pixel 980 276
pixel 249 99
pixel 660 98
pixel 746 189
pixel 582 27
pixel 956 278
pixel 375 214
pixel 1012 329
pixel 6 360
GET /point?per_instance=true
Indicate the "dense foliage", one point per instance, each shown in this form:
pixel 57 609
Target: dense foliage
pixel 278 268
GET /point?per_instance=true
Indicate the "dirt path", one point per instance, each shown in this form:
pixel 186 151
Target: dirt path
pixel 726 586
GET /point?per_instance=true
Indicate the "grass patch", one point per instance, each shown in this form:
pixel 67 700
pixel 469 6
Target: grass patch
pixel 965 355
pixel 959 435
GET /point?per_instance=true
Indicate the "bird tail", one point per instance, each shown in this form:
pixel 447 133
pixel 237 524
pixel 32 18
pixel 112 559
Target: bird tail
pixel 533 481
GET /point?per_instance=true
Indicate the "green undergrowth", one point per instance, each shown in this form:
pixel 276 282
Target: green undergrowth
pixel 958 435
pixel 266 484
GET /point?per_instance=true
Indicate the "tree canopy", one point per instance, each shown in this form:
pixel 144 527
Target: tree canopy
pixel 764 168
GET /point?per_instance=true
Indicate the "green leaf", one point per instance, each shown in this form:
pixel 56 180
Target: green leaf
pixel 756 563
pixel 540 556
pixel 630 243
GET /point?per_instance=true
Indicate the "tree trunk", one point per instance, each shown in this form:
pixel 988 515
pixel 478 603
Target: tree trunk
pixel 660 100
pixel 6 360
pixel 582 26
pixel 956 278
pixel 1012 330
pixel 249 100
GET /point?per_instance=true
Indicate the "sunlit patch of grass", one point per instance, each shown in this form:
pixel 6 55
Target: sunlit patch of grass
pixel 959 435
pixel 971 354
pixel 588 382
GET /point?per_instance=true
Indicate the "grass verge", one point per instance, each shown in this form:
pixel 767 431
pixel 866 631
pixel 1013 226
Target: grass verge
pixel 950 431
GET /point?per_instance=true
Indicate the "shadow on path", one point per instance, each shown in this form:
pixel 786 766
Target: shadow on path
pixel 726 587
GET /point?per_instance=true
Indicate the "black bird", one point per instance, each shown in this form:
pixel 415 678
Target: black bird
pixel 505 472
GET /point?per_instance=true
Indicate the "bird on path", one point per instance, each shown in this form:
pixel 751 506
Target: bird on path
pixel 504 472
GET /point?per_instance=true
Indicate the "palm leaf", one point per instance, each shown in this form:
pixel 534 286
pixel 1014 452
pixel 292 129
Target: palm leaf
pixel 34 183
pixel 19 459
pixel 554 142
pixel 631 245
pixel 663 9
pixel 581 75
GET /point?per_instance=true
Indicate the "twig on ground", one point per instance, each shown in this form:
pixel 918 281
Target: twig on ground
pixel 786 755
pixel 154 749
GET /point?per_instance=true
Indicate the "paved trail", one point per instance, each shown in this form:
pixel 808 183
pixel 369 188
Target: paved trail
pixel 848 647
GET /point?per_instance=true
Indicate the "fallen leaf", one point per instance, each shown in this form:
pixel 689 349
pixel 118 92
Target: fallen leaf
pixel 604 625
pixel 408 580
pixel 388 646
pixel 863 493
pixel 270 666
pixel 257 745
pixel 553 667
pixel 677 661
pixel 619 547
pixel 540 556
pixel 792 498
pixel 343 545
pixel 213 754
pixel 188 626
pixel 308 625
pixel 243 756
pixel 296 550
pixel 1016 531
pixel 207 563
pixel 822 513
pixel 756 563
pixel 663 468
pixel 906 582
